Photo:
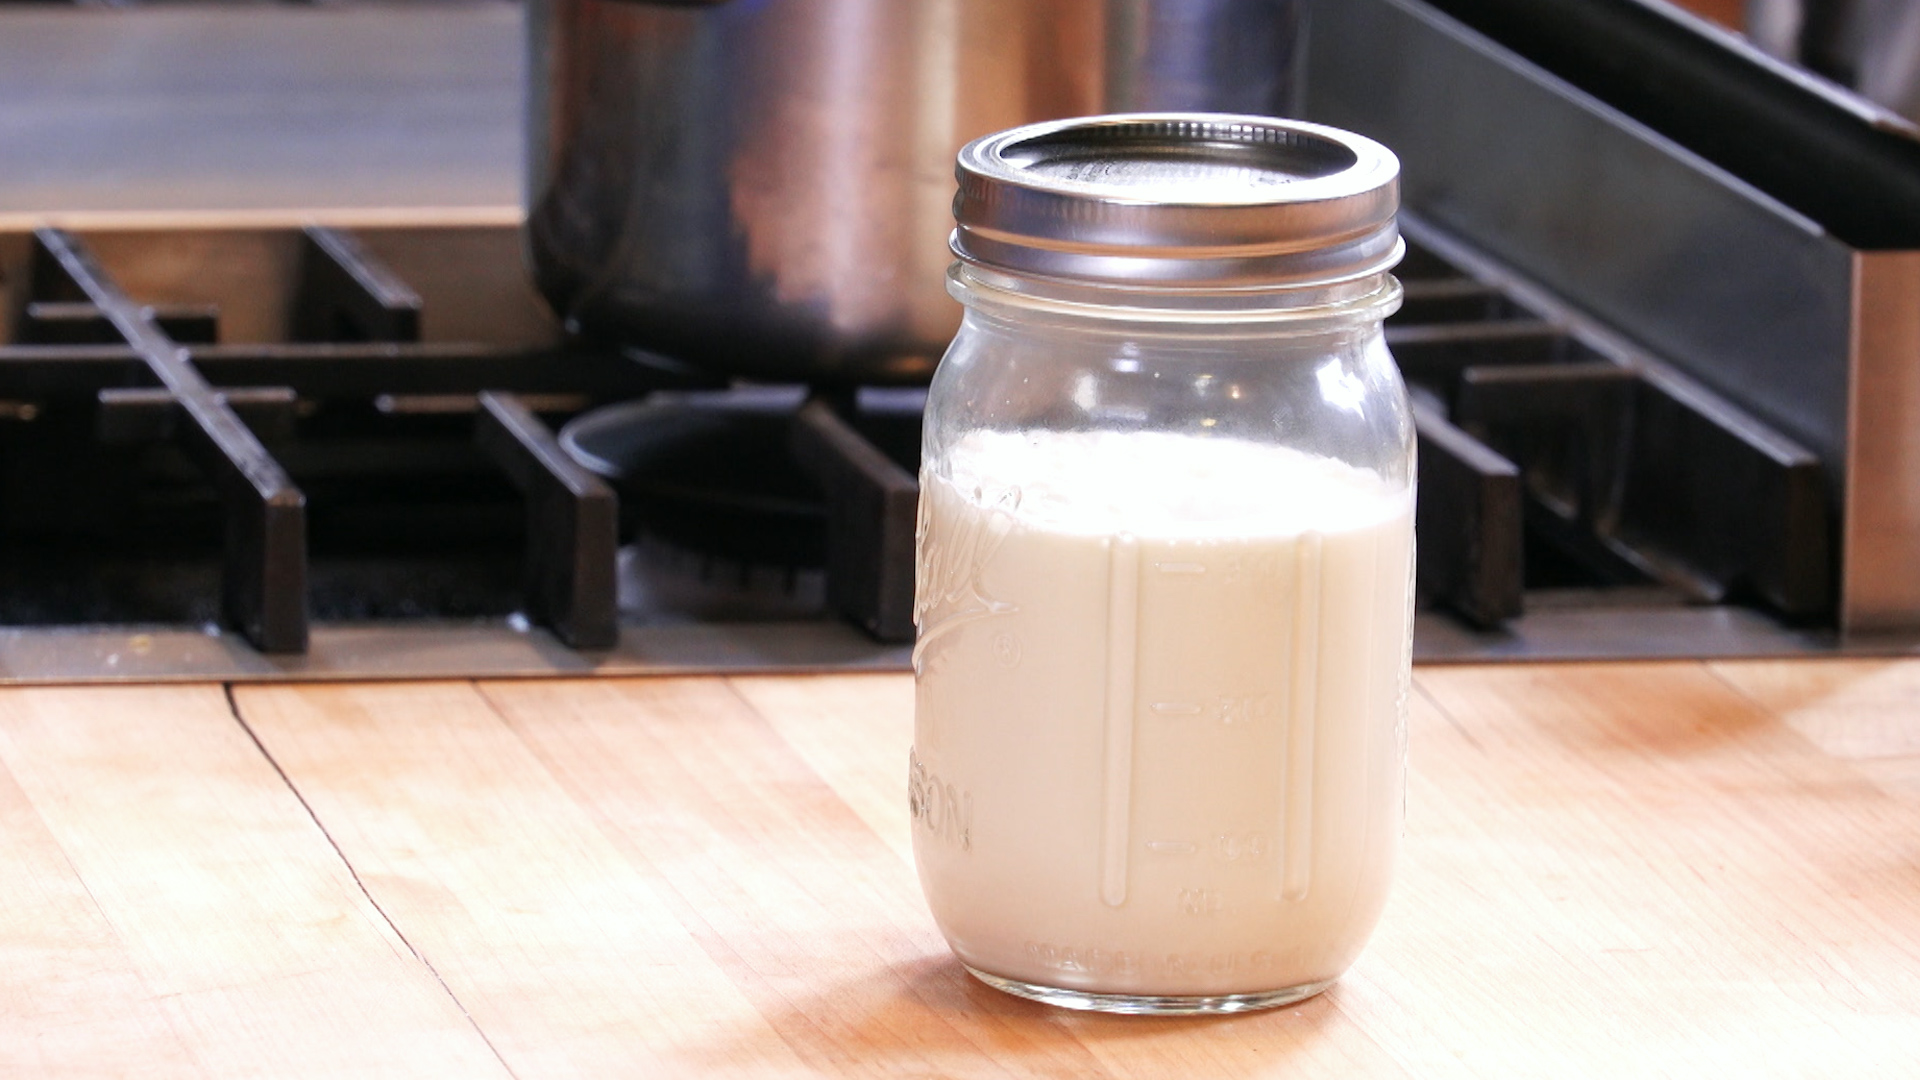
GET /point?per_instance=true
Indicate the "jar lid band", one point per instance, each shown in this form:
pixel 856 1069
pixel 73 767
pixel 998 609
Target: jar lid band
pixel 1173 199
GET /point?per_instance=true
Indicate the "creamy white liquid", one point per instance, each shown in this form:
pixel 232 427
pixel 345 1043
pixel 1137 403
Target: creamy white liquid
pixel 1159 732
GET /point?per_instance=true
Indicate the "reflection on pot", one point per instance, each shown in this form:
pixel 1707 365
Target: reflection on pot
pixel 764 186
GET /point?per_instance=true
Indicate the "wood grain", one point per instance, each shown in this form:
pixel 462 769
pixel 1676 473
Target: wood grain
pixel 242 925
pixel 1866 712
pixel 555 942
pixel 853 732
pixel 1631 869
pixel 800 903
pixel 1610 871
pixel 1594 885
pixel 71 1003
pixel 820 920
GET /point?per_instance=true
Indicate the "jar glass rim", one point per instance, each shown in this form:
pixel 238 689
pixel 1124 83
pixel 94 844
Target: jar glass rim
pixel 1368 298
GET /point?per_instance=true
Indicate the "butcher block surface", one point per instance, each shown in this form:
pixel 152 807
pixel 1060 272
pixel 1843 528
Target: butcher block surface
pixel 1679 869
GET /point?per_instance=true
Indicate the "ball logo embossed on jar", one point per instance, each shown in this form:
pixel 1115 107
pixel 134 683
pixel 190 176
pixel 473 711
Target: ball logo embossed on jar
pixel 948 567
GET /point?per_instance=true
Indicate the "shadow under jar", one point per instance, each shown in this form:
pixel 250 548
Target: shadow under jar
pixel 1165 560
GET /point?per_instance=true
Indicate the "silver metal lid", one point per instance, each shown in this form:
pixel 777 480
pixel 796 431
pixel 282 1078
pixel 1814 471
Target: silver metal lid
pixel 1179 200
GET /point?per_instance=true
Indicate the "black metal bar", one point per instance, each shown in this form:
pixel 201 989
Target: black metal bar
pixel 1469 520
pixel 264 584
pixel 1566 424
pixel 572 525
pixel 1453 300
pixel 129 415
pixel 319 371
pixel 346 370
pixel 1745 296
pixel 1729 498
pixel 68 323
pixel 346 294
pixel 871 503
pixel 1437 353
pixel 1421 262
pixel 1801 141
pixel 1654 472
pixel 42 371
pixel 323 370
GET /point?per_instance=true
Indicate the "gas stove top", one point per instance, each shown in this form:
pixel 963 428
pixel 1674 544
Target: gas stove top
pixel 1662 411
pixel 317 453
pixel 313 453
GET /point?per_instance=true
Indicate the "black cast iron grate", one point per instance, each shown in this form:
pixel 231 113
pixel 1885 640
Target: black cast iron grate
pixel 1538 446
pixel 156 376
pixel 1544 459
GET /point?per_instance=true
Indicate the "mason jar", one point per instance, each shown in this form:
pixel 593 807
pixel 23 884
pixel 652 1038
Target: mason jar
pixel 1165 556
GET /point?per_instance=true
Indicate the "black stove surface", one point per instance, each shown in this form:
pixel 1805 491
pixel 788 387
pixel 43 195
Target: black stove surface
pixel 313 453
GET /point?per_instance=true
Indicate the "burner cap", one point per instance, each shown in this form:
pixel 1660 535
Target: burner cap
pixel 709 472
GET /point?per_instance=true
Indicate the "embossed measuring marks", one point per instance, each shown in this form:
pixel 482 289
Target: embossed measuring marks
pixel 1226 847
pixel 1224 708
pixel 1279 718
pixel 1181 569
pixel 1204 900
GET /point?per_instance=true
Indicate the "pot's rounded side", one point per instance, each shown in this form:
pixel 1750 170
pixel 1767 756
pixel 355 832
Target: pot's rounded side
pixel 764 187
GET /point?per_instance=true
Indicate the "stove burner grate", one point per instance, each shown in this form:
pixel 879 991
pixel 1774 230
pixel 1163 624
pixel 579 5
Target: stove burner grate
pixel 371 467
pixel 776 481
pixel 1548 447
pixel 151 377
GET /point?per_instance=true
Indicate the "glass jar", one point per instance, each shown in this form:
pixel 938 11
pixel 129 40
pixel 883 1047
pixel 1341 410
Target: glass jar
pixel 1165 556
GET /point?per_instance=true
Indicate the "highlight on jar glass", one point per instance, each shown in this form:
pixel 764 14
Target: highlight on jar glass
pixel 1165 564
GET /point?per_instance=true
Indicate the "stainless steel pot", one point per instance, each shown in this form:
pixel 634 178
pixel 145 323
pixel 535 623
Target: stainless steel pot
pixel 763 187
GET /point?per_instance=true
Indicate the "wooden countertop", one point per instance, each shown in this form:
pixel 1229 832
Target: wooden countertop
pixel 1612 870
